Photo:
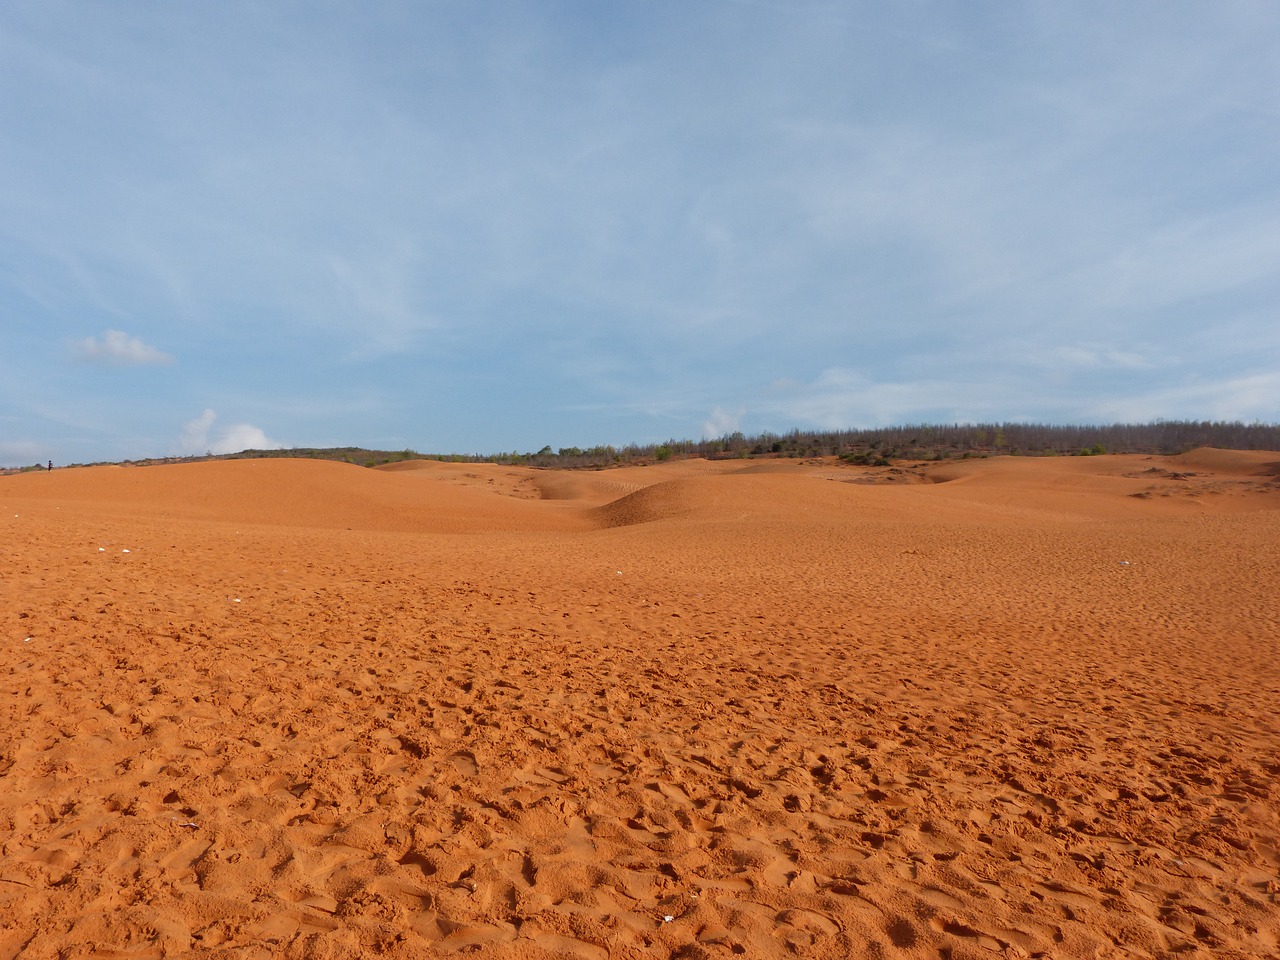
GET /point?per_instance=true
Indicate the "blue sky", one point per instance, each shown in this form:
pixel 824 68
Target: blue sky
pixel 480 226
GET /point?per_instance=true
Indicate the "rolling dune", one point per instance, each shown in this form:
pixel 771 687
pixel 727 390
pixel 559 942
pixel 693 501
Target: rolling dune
pixel 991 708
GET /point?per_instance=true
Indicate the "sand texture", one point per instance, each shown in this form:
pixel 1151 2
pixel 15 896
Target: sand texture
pixel 992 708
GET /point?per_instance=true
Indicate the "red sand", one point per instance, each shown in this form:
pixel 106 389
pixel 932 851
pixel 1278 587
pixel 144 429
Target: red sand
pixel 1007 707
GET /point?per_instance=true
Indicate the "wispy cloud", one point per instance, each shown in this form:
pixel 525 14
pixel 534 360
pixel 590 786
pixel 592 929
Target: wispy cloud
pixel 22 452
pixel 530 223
pixel 1248 398
pixel 841 397
pixel 1095 356
pixel 116 348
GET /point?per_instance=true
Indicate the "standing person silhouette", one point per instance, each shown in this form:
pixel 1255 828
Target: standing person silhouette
pixel 51 466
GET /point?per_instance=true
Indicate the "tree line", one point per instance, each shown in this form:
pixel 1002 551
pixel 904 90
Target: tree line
pixel 874 445
pixel 927 442
pixel 878 445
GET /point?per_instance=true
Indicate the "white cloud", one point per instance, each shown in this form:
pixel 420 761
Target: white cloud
pixel 197 437
pixel 116 348
pixel 721 423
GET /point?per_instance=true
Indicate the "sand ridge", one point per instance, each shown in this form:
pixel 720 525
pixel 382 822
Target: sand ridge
pixel 1006 707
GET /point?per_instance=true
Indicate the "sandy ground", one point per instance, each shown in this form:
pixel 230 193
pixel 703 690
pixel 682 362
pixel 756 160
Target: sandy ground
pixel 1007 707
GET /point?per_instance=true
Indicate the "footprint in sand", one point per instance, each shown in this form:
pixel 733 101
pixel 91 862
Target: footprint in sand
pixel 940 898
pixel 465 762
pixel 810 922
pixel 471 937
pixel 563 946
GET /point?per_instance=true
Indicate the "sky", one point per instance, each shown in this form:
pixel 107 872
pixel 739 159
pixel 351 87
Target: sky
pixel 480 226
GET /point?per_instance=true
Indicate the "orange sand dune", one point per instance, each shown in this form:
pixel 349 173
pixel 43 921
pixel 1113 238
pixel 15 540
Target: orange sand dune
pixel 998 708
pixel 306 493
pixel 1096 486
pixel 1248 463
